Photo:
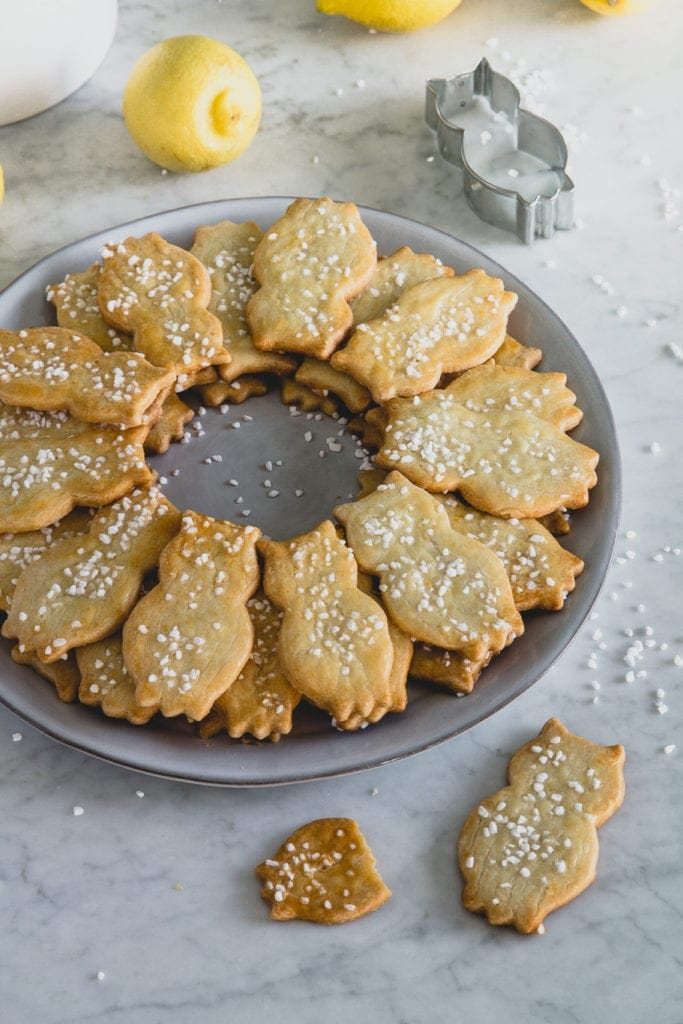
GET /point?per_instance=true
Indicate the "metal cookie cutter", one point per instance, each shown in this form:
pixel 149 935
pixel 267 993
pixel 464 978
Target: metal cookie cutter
pixel 504 207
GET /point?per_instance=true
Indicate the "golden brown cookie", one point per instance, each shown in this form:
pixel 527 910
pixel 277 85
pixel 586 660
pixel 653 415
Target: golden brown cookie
pixel 159 292
pixel 440 326
pixel 505 463
pixel 82 588
pixel 304 398
pixel 540 570
pixel 196 379
pixel 261 701
pixel 513 353
pixel 450 669
pixel 170 426
pixel 105 682
pixel 17 550
pixel 236 392
pixel 556 522
pixel 512 389
pixel 398 679
pixel 52 368
pixel 310 264
pixel 324 872
pixel 392 276
pixel 319 376
pixel 227 251
pixel 187 640
pixel 51 462
pixel 63 674
pixel 439 586
pixel 334 646
pixel 75 301
pixel 533 846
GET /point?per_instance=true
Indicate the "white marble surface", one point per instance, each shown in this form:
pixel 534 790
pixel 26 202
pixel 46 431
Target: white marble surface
pixel 99 892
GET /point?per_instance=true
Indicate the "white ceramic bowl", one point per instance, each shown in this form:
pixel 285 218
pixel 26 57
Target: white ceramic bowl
pixel 48 49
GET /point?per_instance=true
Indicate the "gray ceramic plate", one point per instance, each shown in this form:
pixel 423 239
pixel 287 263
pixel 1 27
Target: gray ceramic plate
pixel 314 750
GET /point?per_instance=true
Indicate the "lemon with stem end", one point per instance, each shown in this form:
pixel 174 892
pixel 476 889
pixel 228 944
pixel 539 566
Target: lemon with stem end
pixel 615 7
pixel 391 15
pixel 191 103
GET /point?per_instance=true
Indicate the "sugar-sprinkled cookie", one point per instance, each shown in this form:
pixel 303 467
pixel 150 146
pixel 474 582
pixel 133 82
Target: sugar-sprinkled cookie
pixel 513 353
pixel 540 570
pixel 533 846
pixel 77 307
pixel 324 872
pixel 441 326
pixel 449 669
pixel 512 389
pixel 83 587
pixel 316 258
pixel 51 462
pixel 188 639
pixel 227 250
pixel 170 425
pixel 556 522
pixel 295 394
pixel 334 645
pixel 105 682
pixel 196 379
pixel 235 392
pixel 17 550
pixel 392 276
pixel 261 701
pixel 322 378
pixel 439 586
pixel 63 674
pixel 159 292
pixel 52 368
pixel 505 463
pixel 398 679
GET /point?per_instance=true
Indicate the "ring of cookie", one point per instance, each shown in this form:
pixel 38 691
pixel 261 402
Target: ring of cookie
pixel 414 358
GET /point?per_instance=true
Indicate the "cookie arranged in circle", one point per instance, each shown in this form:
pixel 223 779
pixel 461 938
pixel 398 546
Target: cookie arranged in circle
pixel 63 673
pixel 52 368
pixel 513 353
pixel 227 251
pixel 321 377
pixel 52 462
pixel 512 389
pixel 310 264
pixel 393 275
pixel 17 550
pixel 159 293
pixel 440 326
pixel 261 701
pixel 106 683
pixel 533 846
pixel 77 306
pixel 505 463
pixel 83 587
pixel 334 646
pixel 439 586
pixel 170 426
pixel 187 640
pixel 324 872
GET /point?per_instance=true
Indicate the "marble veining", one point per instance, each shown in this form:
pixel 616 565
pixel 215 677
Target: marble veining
pixel 156 890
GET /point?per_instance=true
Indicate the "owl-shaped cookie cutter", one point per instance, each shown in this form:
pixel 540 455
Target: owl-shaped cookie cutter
pixel 506 208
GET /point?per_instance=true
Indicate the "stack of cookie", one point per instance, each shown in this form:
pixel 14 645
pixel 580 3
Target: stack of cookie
pixel 140 608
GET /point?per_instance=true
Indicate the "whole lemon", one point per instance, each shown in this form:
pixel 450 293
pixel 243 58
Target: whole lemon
pixel 391 15
pixel 192 103
pixel 614 6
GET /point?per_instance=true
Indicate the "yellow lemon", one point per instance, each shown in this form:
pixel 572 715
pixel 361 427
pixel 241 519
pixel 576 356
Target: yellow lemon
pixel 192 103
pixel 614 6
pixel 391 15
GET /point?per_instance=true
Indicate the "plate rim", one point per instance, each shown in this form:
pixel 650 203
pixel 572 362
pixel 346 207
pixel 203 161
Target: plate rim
pixel 454 729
